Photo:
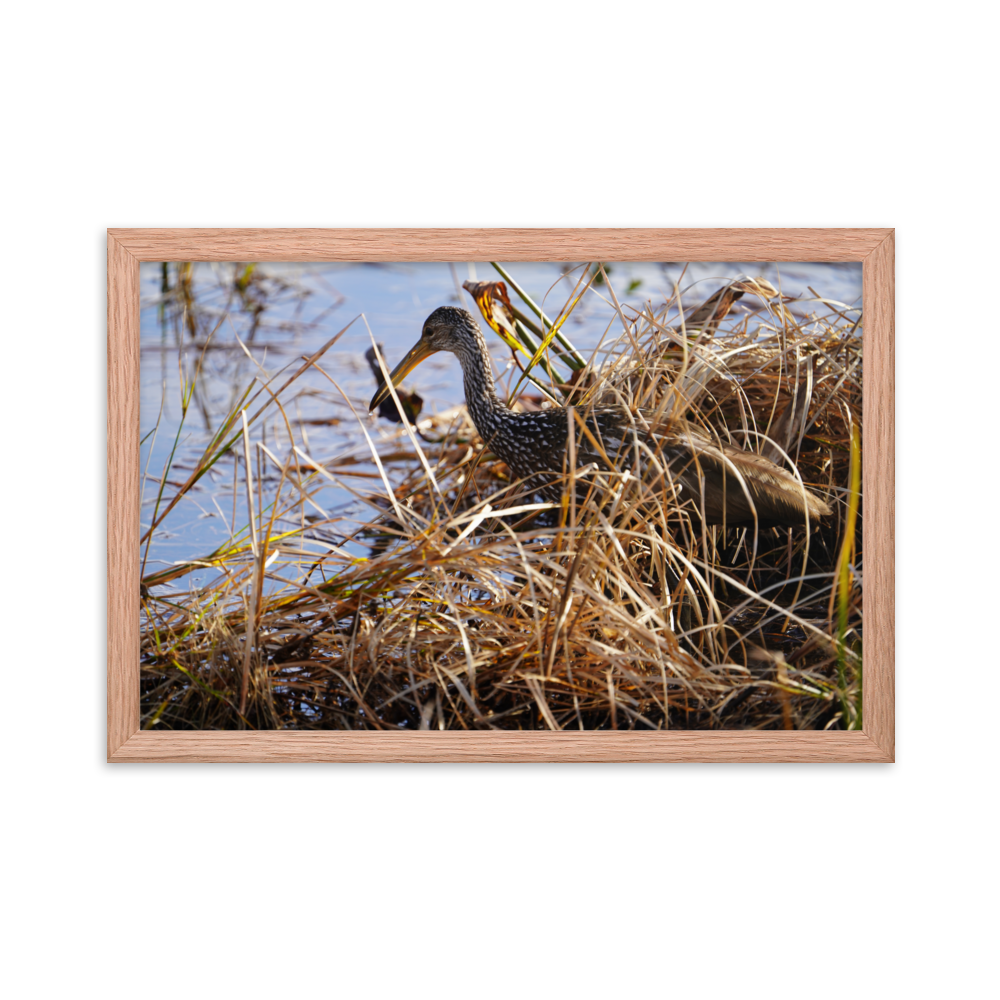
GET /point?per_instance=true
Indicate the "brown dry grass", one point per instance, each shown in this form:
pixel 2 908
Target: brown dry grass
pixel 478 607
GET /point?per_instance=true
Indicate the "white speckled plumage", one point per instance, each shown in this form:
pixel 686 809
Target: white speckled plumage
pixel 704 474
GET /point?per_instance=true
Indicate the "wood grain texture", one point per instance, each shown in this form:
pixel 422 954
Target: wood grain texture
pixel 879 492
pixel 500 244
pixel 123 495
pixel 126 247
pixel 694 747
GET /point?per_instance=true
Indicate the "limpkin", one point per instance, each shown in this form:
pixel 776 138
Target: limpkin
pixel 718 483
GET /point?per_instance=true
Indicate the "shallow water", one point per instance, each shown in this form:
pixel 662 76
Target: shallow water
pixel 304 305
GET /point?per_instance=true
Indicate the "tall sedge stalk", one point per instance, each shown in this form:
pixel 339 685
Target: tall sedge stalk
pixel 852 713
pixel 551 334
pixel 570 354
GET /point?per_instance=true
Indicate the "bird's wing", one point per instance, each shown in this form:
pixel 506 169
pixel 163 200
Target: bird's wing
pixel 730 486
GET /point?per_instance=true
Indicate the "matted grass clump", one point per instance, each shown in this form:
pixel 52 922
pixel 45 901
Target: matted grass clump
pixel 478 606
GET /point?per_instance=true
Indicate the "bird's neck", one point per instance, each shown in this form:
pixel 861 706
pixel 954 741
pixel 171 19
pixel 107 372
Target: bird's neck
pixel 485 408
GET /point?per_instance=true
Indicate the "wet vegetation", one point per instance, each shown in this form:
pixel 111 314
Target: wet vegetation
pixel 446 596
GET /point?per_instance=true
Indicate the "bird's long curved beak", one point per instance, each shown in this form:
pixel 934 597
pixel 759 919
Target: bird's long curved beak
pixel 419 352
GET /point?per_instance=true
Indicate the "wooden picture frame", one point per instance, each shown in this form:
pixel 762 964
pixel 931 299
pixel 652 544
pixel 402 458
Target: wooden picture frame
pixel 128 247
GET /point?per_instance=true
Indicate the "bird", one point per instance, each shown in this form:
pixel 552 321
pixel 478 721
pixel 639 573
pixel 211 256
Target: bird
pixel 718 483
pixel 412 403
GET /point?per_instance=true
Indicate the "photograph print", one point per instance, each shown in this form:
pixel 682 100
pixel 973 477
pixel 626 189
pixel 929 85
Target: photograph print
pixel 592 495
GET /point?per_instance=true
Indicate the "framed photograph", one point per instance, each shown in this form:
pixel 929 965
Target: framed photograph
pixel 501 495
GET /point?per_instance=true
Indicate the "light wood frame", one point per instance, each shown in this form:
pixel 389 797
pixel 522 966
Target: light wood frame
pixel 128 247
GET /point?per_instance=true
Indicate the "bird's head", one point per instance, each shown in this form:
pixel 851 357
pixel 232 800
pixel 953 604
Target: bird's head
pixel 446 329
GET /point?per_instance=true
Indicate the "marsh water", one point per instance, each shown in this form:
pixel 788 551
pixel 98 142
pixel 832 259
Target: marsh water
pixel 235 323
